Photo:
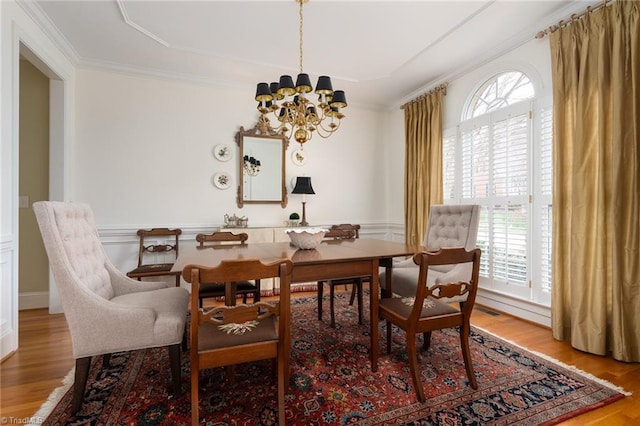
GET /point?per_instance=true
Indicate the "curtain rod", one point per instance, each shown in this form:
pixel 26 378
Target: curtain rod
pixel 574 18
pixel 442 87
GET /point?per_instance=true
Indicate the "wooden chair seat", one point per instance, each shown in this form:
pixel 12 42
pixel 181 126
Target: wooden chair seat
pixel 150 270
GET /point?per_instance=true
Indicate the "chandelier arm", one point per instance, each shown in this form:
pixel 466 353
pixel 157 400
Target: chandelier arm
pixel 327 132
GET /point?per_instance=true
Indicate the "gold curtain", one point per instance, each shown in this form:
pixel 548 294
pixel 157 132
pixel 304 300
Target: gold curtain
pixel 596 201
pixel 423 163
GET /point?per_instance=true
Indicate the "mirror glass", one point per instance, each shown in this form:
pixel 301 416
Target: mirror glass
pixel 262 166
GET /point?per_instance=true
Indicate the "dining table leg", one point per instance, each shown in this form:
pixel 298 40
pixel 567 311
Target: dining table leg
pixel 373 303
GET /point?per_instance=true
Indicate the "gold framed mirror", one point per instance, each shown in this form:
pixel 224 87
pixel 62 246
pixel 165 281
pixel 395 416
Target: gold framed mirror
pixel 262 166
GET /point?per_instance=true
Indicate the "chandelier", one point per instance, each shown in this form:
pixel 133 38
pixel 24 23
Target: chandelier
pixel 299 116
pixel 251 165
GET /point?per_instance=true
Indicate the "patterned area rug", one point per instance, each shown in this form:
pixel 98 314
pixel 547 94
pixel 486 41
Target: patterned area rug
pixel 332 383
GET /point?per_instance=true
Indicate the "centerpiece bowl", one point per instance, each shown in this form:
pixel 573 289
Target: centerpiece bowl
pixel 306 238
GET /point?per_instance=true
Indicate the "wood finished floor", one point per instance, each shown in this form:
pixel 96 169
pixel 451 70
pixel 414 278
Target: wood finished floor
pixel 44 358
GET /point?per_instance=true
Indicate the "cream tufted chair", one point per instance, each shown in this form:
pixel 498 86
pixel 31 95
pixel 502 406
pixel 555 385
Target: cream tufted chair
pixel 449 226
pixel 106 311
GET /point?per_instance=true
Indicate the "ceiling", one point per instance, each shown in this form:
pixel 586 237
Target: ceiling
pixel 381 53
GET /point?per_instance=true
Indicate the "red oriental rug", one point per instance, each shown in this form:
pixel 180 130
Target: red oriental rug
pixel 332 383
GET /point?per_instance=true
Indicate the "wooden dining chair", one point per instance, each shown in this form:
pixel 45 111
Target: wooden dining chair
pixel 341 232
pixel 229 335
pixel 428 310
pixel 244 287
pixel 166 241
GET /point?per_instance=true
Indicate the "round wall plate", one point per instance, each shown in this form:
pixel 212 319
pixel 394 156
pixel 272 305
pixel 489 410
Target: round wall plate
pixel 222 152
pixel 222 180
pixel 299 157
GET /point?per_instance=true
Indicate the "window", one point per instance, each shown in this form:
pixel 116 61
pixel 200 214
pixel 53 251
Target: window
pixel 490 160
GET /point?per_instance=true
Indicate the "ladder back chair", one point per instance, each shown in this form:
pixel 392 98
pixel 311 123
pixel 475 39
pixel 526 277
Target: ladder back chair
pixel 223 336
pixel 165 241
pixel 341 232
pixel 243 287
pixel 429 310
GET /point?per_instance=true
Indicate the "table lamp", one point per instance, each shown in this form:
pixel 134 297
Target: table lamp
pixel 303 186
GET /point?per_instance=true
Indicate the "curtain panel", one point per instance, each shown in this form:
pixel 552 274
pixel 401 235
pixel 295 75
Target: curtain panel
pixel 596 200
pixel 423 163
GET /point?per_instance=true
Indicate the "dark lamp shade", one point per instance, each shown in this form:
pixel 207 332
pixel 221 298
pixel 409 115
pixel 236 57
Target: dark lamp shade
pixel 274 91
pixel 285 86
pixel 263 93
pixel 303 186
pixel 303 83
pixel 338 100
pixel 324 85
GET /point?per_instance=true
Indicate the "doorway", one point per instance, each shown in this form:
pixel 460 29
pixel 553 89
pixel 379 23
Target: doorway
pixel 33 185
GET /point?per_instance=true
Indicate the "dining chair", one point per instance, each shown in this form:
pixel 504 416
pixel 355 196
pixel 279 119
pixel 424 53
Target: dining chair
pixel 229 335
pixel 343 231
pixel 428 309
pixel 244 287
pixel 106 311
pixel 165 241
pixel 450 225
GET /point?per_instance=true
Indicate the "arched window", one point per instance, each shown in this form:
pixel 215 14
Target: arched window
pixel 500 158
pixel 499 92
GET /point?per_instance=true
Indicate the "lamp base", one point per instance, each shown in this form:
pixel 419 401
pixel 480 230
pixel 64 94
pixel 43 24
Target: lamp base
pixel 304 214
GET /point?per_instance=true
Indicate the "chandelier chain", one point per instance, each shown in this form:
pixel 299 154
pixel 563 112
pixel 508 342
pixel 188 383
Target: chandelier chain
pixel 300 30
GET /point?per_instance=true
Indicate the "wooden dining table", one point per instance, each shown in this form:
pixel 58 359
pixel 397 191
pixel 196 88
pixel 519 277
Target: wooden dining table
pixel 332 259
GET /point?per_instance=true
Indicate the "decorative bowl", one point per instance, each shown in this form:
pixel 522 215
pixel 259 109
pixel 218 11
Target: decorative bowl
pixel 306 238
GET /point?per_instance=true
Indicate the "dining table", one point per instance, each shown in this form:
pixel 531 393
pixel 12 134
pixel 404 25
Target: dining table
pixel 331 259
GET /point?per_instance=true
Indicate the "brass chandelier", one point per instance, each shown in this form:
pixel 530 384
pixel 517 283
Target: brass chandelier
pixel 300 117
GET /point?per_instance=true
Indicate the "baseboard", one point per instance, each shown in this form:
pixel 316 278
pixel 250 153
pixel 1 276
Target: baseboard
pixel 520 308
pixel 33 300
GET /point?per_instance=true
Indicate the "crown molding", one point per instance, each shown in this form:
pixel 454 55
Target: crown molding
pixel 138 71
pixel 524 36
pixel 35 12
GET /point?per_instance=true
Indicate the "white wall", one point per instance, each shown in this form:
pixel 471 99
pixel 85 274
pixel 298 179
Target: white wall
pixel 143 156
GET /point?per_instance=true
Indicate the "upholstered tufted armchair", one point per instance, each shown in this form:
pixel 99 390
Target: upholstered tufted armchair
pixel 449 226
pixel 106 311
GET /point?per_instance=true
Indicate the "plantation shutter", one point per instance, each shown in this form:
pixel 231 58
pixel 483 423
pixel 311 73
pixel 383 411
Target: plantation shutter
pixel 545 203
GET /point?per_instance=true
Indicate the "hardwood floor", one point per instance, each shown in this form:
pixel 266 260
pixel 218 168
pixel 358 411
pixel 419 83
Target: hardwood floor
pixel 44 358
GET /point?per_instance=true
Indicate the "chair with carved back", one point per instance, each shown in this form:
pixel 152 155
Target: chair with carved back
pixel 430 308
pixel 165 241
pixel 217 290
pixel 224 336
pixel 106 311
pixel 342 232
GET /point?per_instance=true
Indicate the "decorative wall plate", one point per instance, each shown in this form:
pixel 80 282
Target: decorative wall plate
pixel 222 180
pixel 222 152
pixel 299 157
